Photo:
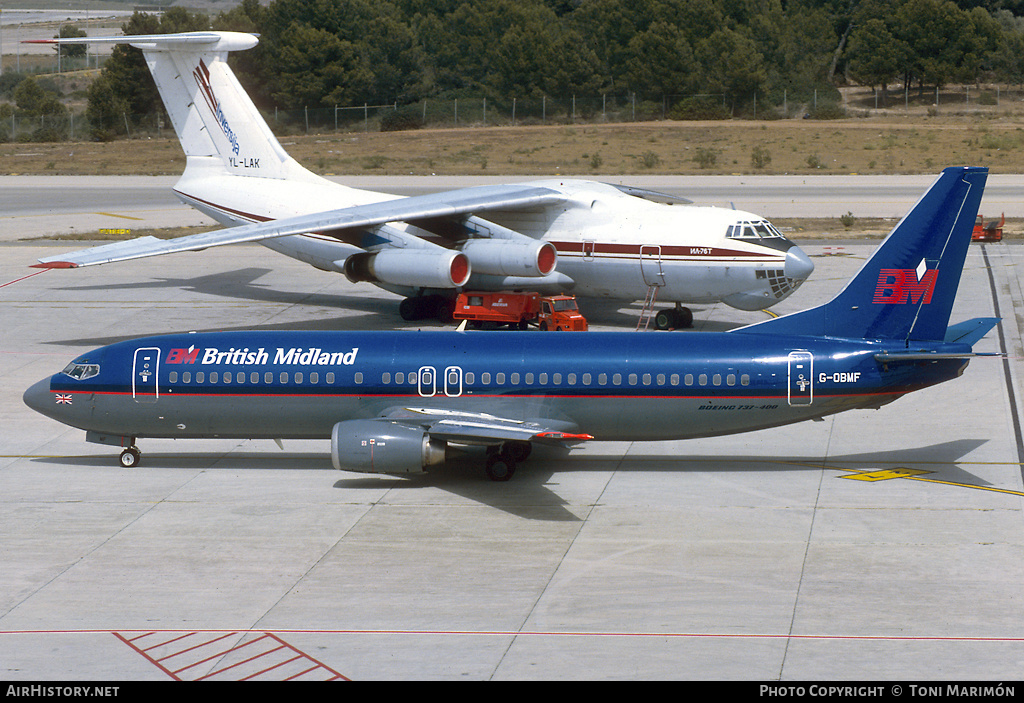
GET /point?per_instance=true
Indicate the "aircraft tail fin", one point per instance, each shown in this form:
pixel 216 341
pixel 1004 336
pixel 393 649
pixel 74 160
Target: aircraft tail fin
pixel 215 120
pixel 906 289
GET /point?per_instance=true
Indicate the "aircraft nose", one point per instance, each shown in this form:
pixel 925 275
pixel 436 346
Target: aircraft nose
pixel 798 265
pixel 38 397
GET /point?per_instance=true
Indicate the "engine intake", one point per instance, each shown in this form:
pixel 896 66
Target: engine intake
pixel 504 258
pixel 381 447
pixel 419 268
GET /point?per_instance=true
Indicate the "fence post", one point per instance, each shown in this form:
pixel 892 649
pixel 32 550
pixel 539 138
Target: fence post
pixel 513 112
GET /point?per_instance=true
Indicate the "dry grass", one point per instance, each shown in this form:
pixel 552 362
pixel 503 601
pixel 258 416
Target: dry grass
pixel 905 144
pixel 887 144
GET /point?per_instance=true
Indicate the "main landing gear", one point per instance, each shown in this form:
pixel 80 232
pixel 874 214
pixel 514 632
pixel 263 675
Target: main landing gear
pixel 130 457
pixel 502 461
pixel 425 307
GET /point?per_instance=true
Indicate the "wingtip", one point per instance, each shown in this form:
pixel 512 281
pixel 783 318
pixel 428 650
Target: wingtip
pixel 55 265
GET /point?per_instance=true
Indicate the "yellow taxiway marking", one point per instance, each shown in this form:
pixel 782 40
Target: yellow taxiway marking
pixel 885 474
pixel 114 214
pixel 913 475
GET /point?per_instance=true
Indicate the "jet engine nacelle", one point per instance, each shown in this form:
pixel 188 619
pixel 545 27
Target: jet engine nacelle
pixel 504 258
pixel 418 268
pixel 381 447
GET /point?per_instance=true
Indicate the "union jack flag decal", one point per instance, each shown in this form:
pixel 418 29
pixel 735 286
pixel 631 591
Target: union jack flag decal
pixel 63 399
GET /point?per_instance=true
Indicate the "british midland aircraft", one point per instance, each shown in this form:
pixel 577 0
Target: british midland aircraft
pixel 395 403
pixel 552 236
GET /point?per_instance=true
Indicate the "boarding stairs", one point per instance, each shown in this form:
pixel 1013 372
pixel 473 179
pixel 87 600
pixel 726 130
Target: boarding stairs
pixel 647 312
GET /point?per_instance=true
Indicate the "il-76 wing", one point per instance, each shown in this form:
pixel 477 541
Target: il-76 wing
pixel 456 203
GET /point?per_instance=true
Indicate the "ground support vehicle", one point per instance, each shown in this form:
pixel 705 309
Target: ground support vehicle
pixel 519 310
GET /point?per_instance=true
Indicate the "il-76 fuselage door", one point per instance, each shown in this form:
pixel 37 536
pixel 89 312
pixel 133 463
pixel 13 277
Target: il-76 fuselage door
pixel 801 378
pixel 145 368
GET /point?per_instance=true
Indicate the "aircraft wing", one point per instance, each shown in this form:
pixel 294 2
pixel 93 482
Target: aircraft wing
pixel 454 203
pixel 482 428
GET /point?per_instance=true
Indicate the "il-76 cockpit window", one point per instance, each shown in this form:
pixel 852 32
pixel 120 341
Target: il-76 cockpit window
pixel 81 371
pixel 762 229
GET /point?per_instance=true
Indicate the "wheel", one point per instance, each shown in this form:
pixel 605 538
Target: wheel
pixel 130 457
pixel 544 326
pixel 665 319
pixel 444 309
pixel 500 467
pixel 411 309
pixel 518 451
pixel 684 318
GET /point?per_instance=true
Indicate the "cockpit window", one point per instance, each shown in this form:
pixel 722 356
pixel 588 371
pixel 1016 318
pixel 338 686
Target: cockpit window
pixel 752 230
pixel 81 371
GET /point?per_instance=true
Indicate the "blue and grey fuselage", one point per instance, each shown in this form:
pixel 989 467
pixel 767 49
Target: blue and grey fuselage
pixel 395 401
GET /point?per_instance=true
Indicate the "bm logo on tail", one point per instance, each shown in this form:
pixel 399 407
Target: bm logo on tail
pixel 903 286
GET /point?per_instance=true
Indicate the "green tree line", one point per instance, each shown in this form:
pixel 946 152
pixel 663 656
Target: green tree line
pixel 323 53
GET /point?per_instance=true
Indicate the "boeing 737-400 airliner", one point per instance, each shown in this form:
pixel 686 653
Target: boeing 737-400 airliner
pixel 397 401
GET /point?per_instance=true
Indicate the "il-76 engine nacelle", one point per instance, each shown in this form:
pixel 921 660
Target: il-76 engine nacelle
pixel 511 258
pixel 381 447
pixel 420 268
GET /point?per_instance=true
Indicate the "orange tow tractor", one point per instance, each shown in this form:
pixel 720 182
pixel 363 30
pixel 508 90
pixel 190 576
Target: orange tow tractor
pixel 518 310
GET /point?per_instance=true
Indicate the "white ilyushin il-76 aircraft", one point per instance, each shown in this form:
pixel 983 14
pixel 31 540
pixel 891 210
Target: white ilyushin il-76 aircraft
pixel 582 237
pixel 395 404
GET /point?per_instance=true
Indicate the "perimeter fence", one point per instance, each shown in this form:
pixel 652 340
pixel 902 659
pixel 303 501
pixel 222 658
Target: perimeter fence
pixel 72 124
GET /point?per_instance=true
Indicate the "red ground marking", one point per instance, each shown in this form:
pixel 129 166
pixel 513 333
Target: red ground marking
pixel 266 657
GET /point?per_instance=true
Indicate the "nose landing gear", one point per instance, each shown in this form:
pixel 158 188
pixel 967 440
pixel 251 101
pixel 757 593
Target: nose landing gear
pixel 130 457
pixel 674 318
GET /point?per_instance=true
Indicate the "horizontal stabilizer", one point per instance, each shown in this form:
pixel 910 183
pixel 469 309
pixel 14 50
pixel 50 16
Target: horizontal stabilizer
pixel 207 41
pixel 915 356
pixel 970 331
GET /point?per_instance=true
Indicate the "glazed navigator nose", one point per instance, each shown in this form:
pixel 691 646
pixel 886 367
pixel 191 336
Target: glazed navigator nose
pixel 798 265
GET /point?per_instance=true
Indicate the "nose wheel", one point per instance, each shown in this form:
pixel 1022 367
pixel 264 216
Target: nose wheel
pixel 674 318
pixel 130 457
